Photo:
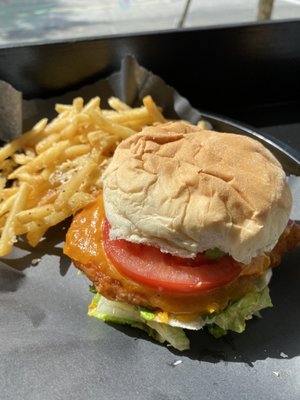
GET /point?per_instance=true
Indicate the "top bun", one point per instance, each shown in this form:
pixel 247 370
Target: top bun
pixel 186 190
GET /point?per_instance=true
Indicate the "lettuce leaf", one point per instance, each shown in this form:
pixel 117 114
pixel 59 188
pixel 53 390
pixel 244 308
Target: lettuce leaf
pixel 122 313
pixel 233 318
pixel 236 314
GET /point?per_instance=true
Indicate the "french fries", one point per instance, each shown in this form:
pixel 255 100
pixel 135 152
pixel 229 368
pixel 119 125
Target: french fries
pixel 8 235
pixel 55 169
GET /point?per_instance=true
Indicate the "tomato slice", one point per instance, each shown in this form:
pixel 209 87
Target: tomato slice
pixel 149 266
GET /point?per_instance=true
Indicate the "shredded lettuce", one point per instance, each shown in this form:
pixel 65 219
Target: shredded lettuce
pixel 214 254
pixel 236 314
pixel 122 313
pixel 92 289
pixel 146 314
pixel 233 318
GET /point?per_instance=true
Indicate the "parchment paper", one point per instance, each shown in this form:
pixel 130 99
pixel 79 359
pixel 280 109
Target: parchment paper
pixel 11 114
pixel 130 84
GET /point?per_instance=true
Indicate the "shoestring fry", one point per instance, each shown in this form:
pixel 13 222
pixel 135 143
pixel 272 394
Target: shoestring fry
pixel 55 169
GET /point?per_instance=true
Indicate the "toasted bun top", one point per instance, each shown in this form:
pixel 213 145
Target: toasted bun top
pixel 186 190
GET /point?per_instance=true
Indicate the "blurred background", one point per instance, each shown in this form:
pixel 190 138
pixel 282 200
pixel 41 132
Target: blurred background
pixel 24 21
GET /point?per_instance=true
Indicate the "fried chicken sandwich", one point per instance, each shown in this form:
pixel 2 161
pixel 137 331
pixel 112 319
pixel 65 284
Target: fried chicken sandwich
pixel 186 232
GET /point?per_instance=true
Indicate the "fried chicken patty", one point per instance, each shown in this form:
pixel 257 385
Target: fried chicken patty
pixel 85 246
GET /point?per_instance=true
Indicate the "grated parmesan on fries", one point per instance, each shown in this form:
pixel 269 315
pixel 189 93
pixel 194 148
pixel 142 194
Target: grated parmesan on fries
pixel 55 169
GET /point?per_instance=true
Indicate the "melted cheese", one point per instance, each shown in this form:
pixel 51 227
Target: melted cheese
pixel 84 244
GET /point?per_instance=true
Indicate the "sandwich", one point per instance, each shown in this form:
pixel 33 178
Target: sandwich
pixel 186 232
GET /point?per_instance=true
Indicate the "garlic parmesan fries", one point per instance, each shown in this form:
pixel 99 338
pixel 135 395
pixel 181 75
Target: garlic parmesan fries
pixel 55 169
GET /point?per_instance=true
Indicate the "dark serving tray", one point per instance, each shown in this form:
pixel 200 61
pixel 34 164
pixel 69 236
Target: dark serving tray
pixel 49 348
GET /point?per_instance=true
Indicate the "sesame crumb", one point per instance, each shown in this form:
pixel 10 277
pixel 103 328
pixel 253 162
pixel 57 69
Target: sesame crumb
pixel 177 362
pixel 283 355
